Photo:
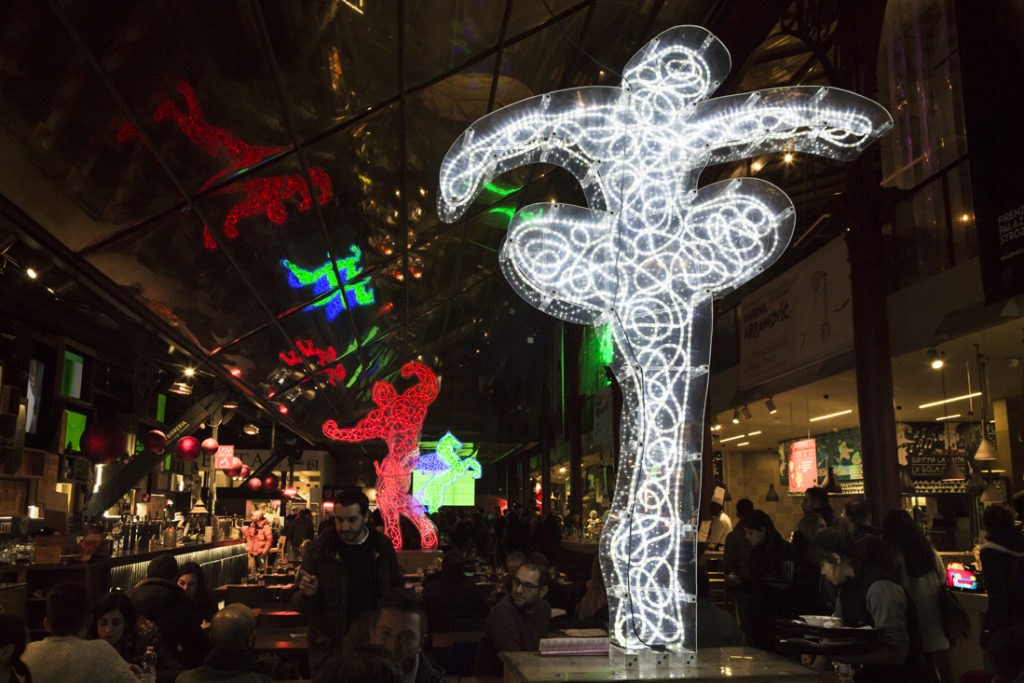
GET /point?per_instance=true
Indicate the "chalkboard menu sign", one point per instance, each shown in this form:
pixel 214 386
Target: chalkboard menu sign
pixel 931 465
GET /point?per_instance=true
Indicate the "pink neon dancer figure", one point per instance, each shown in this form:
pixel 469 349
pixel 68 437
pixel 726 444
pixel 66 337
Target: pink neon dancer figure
pixel 398 421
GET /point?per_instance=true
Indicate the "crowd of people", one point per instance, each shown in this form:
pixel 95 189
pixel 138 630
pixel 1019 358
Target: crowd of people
pixel 889 578
pixel 167 628
pixel 364 623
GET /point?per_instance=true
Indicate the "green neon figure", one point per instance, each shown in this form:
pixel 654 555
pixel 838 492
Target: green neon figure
pixel 433 492
pixel 323 280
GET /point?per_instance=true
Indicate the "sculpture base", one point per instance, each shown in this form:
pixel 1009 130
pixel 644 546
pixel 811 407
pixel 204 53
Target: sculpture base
pixel 646 658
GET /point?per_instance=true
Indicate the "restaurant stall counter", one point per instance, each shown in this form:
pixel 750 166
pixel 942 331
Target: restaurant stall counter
pixel 222 562
pixel 713 664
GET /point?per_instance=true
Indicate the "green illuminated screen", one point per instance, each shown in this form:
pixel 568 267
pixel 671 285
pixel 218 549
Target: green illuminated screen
pixel 74 426
pixel 462 492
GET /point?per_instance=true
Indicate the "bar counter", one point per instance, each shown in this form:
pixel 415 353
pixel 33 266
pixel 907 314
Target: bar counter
pixel 713 664
pixel 222 562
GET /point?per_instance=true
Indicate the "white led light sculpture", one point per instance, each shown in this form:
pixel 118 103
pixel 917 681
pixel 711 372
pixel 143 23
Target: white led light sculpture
pixel 647 256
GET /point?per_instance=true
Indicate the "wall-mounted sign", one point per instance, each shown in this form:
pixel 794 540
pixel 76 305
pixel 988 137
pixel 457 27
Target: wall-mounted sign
pixel 224 457
pixel 803 465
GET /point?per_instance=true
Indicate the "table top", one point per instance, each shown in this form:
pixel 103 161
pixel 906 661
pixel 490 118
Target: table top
pixel 750 665
pixel 280 638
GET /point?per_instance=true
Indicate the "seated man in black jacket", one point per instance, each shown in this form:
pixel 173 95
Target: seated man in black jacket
pixel 400 626
pixel 160 599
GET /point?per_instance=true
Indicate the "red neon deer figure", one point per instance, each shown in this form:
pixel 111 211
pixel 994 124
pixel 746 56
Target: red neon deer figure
pixel 262 195
pixel 397 420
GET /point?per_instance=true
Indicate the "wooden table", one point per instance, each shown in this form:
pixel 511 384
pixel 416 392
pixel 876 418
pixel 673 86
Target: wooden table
pixel 713 664
pixel 291 639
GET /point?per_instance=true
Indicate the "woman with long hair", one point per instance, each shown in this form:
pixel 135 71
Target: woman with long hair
pixel 922 574
pixel 868 596
pixel 115 620
pixel 192 580
pixel 13 637
pixel 770 580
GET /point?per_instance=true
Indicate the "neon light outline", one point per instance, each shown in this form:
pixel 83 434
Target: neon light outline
pixel 647 255
pixel 433 492
pixel 323 280
pixel 262 195
pixel 398 420
pixel 325 358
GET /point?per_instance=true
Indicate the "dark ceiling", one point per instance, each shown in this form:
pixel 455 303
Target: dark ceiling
pixel 126 127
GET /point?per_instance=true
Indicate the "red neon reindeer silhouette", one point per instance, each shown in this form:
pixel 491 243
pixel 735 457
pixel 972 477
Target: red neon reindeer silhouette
pixel 398 421
pixel 262 195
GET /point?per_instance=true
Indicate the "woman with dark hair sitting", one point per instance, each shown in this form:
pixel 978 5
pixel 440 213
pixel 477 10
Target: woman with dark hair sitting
pixel 193 581
pixel 115 620
pixel 868 596
pixel 922 574
pixel 13 638
pixel 770 579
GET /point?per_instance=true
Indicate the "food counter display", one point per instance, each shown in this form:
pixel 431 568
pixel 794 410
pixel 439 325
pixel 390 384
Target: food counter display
pixel 222 562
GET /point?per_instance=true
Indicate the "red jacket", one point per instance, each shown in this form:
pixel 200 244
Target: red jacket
pixel 258 537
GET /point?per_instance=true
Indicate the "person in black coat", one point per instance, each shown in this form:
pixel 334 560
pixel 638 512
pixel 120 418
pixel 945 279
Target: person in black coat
pixel 159 598
pixel 344 573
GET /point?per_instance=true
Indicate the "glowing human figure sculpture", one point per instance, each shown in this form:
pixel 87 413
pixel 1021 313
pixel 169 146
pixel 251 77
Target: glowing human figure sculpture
pixel 454 467
pixel 647 256
pixel 397 420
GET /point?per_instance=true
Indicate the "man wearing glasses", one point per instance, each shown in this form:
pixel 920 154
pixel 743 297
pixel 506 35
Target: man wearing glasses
pixel 518 622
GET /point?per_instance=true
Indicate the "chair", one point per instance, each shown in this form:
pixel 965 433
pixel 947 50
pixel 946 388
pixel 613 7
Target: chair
pixel 458 661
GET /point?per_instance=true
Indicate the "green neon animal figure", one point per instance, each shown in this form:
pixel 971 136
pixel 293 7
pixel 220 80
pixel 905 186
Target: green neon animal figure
pixel 433 492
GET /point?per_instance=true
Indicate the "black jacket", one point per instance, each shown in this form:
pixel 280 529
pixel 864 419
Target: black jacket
pixel 176 617
pixel 428 672
pixel 327 610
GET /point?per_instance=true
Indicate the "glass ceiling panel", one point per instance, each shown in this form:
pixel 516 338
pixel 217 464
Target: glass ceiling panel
pixel 439 37
pixel 338 58
pixel 539 61
pixel 194 76
pixel 54 106
pixel 192 289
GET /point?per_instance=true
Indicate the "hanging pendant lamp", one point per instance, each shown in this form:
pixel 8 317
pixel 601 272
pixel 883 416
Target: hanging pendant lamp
pixel 952 471
pixel 771 496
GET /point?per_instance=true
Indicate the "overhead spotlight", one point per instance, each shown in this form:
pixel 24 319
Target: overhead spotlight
pixel 746 413
pixel 788 158
pixel 230 404
pixel 31 273
pixel 935 359
pixel 736 417
pixel 251 429
pixel 190 372
pixel 771 406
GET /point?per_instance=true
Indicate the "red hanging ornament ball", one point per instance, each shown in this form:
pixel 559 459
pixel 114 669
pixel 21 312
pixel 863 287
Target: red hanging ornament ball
pixel 210 446
pixel 154 441
pixel 244 472
pixel 270 482
pixel 236 468
pixel 255 484
pixel 187 448
pixel 103 442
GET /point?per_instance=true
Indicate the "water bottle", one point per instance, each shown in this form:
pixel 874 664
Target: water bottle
pixel 149 665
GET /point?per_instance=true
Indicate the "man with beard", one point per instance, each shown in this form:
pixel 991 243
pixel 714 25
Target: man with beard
pixel 345 572
pixel 399 626
pixel 517 623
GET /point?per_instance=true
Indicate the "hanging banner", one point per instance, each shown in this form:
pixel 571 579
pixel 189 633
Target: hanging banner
pixel 799 318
